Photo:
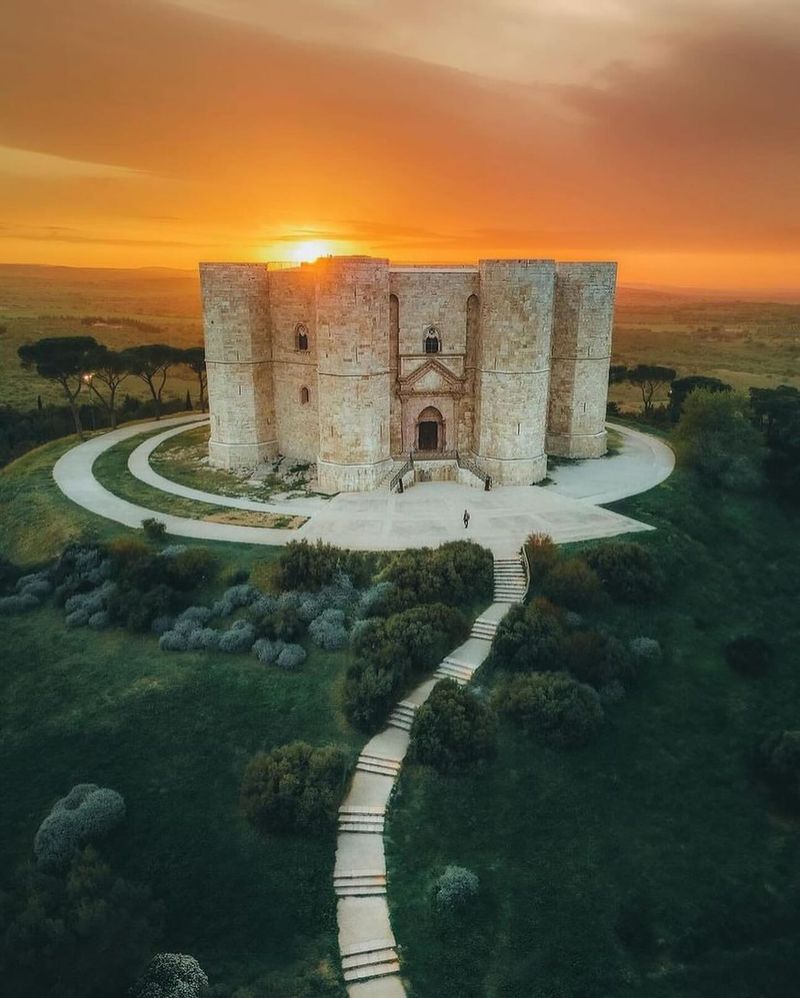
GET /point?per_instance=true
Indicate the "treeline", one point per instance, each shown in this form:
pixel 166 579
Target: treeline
pixel 121 320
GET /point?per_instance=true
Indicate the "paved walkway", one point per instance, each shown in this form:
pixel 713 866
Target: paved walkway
pixel 367 945
pixel 424 515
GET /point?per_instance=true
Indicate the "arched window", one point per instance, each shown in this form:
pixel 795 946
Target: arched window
pixel 305 395
pixel 301 336
pixel 433 343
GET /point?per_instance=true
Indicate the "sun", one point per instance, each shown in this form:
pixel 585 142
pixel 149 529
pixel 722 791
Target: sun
pixel 307 252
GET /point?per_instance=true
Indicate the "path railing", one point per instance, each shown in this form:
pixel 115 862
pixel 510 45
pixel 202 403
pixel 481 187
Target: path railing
pixel 396 481
pixel 469 465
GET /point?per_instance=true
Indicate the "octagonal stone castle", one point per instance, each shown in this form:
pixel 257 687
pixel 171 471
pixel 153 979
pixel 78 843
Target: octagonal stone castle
pixel 353 364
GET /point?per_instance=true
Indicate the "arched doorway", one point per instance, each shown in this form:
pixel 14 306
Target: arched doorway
pixel 430 430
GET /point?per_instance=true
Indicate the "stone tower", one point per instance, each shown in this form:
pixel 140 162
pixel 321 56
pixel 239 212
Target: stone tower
pixel 353 372
pixel 583 322
pixel 513 368
pixel 239 364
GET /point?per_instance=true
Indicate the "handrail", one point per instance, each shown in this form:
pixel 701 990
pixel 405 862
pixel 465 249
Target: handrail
pixel 469 465
pixel 527 566
pixel 397 478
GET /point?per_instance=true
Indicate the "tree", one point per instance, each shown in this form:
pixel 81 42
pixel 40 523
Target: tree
pixel 66 360
pixel 151 363
pixel 649 378
pixel 453 729
pixel 195 359
pixel 717 438
pixel 681 388
pixel 552 707
pixel 617 373
pixel 110 368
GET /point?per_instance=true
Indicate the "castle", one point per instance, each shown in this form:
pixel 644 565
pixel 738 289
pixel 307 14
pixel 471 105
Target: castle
pixel 352 364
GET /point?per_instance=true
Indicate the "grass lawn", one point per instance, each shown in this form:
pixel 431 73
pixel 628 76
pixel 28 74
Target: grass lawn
pixel 659 813
pixel 111 470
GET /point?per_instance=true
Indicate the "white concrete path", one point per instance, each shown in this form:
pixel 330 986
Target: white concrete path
pixel 368 949
pixel 424 515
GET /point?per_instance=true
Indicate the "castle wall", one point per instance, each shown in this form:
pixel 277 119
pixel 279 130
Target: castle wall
pixel 352 329
pixel 583 323
pixel 239 363
pixel 293 302
pixel 513 368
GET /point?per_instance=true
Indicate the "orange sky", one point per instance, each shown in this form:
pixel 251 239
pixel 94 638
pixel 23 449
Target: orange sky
pixel 662 133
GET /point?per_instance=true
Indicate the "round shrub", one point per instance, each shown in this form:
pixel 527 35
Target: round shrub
pixel 529 639
pixel 78 618
pixel 233 599
pixel 542 555
pixel 375 600
pixel 161 624
pixel 174 641
pixel 574 585
pixel 645 651
pixel 328 630
pixel 453 729
pixel 455 890
pixel 294 788
pixel 172 975
pixel 99 621
pixel 748 655
pixel 598 659
pixel 154 530
pixel 202 639
pixel 239 638
pixel 192 618
pixel 553 707
pixel 87 814
pixel 34 585
pixel 18 603
pixel 629 571
pixel 267 651
pixel 291 657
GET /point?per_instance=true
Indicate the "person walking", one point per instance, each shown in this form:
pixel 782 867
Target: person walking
pixel 466 519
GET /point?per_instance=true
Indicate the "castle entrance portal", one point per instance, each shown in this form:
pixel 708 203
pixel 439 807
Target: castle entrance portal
pixel 430 430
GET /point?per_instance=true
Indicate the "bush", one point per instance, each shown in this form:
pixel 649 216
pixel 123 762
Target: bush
pixel 375 601
pixel 456 574
pixel 453 729
pixel 388 653
pixel 290 657
pixel 239 638
pixel 553 707
pixel 154 530
pixel 172 975
pixel 303 566
pixel 598 659
pixel 267 651
pixel 174 641
pixel 234 598
pixel 192 617
pixel 202 639
pixel 645 651
pixel 18 603
pixel 573 584
pixel 86 814
pixel 542 555
pixel 190 568
pixel 455 890
pixel 629 571
pixel 328 630
pixel 778 762
pixel 529 639
pixel 99 621
pixel 38 584
pixel 294 788
pixel 748 655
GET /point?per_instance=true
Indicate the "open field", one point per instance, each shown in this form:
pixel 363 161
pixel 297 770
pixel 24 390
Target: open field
pixel 658 817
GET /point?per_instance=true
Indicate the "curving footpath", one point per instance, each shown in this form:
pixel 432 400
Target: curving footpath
pixel 426 515
pixel 367 946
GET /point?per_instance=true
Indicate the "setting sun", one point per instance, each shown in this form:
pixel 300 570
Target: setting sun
pixel 307 252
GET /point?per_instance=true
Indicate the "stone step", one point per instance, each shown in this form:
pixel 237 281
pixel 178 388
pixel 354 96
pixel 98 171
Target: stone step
pixel 445 675
pixel 399 722
pixel 380 760
pixel 451 669
pixel 367 820
pixel 376 812
pixel 374 970
pixel 376 770
pixel 360 828
pixel 374 880
pixel 360 892
pixel 368 946
pixel 385 955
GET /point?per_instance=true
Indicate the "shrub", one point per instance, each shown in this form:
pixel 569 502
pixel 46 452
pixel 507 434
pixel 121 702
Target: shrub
pixel 645 651
pixel 573 584
pixel 137 610
pixel 174 641
pixel 238 576
pixel 87 814
pixel 239 638
pixel 778 762
pixel 748 655
pixel 18 603
pixel 78 618
pixel 154 530
pixel 172 975
pixel 598 659
pixel 553 707
pixel 291 657
pixel 455 890
pixel 192 617
pixel 328 630
pixel 38 585
pixel 294 788
pixel 455 574
pixel 542 555
pixel 202 639
pixel 529 639
pixel 375 601
pixel 629 571
pixel 267 651
pixel 99 621
pixel 233 599
pixel 172 550
pixel 310 566
pixel 190 568
pixel 453 729
pixel 160 625
pixel 284 624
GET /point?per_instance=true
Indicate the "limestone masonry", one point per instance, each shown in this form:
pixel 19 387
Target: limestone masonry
pixel 354 365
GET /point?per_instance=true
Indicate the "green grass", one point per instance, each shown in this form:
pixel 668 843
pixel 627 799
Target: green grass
pixel 662 803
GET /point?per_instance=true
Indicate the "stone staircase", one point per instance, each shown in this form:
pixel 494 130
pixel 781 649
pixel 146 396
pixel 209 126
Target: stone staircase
pixel 368 820
pixel 379 765
pixel 374 958
pixel 359 883
pixel 484 629
pixel 402 715
pixel 510 583
pixel 448 669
